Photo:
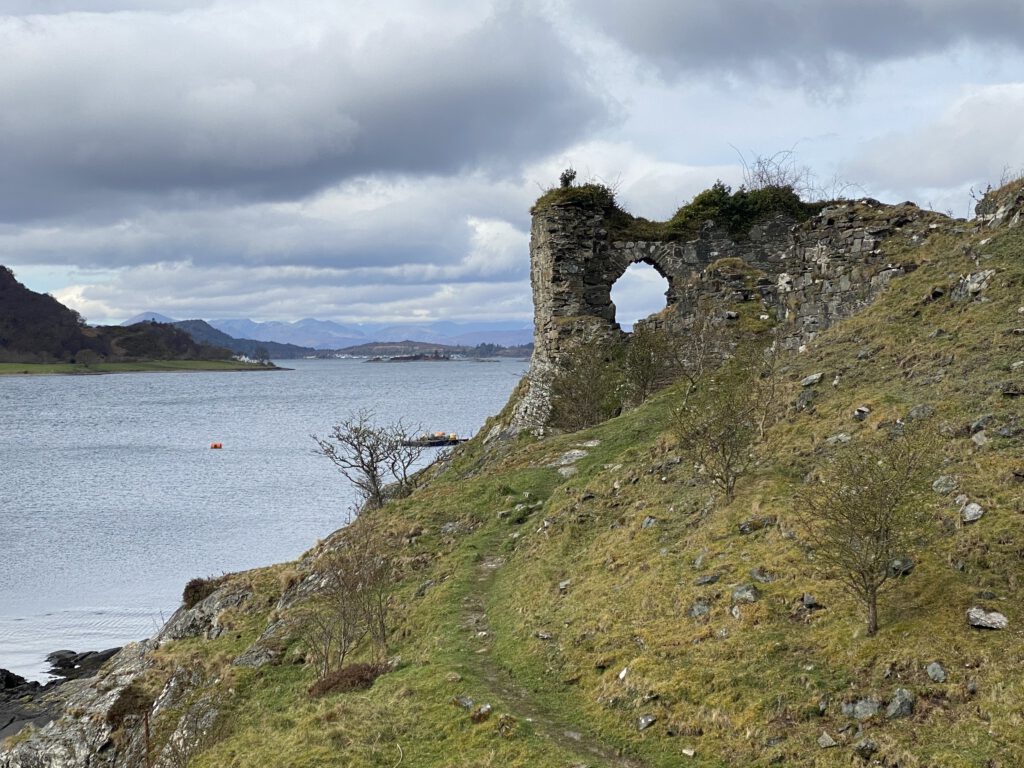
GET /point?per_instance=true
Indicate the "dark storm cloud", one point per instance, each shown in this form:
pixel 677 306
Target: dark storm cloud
pixel 107 113
pixel 806 39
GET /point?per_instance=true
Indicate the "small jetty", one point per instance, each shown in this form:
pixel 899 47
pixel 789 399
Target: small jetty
pixel 435 440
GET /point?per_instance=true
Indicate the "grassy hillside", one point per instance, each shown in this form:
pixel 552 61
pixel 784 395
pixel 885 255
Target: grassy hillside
pixel 558 581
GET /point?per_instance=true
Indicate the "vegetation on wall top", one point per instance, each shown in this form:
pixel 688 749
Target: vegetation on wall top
pixel 734 211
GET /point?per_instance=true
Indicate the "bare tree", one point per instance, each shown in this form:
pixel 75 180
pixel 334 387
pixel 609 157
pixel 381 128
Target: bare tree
pixel 776 171
pixel 353 599
pixel 377 460
pixel 869 508
pixel 586 388
pixel 701 349
pixel 722 417
pixel 649 362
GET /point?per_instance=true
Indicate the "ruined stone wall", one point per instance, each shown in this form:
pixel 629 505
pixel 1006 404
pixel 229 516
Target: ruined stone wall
pixel 808 276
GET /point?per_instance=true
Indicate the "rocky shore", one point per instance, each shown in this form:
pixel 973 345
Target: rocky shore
pixel 24 702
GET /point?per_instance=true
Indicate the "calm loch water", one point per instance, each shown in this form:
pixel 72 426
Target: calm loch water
pixel 111 499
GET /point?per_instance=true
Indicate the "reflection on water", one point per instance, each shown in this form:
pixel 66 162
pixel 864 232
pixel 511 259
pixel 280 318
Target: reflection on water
pixel 111 497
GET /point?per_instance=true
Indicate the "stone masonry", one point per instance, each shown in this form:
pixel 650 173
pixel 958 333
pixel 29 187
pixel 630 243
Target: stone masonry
pixel 809 275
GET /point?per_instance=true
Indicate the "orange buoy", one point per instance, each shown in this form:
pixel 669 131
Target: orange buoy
pixel 216 445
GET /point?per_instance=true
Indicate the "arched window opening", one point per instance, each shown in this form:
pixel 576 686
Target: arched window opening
pixel 639 293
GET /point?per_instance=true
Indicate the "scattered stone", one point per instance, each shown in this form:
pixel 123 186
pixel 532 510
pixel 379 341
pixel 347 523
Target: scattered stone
pixel 901 704
pixel 623 673
pixel 970 286
pixel 452 528
pixel 453 677
pixel 648 522
pixel 840 438
pixel 861 412
pixel 463 701
pixel 699 609
pixel 507 725
pixel 567 471
pixel 761 575
pixel 564 585
pixel 865 748
pixel 865 354
pixel 756 524
pixel 921 411
pixel 804 400
pixel 481 713
pixel 982 619
pixel 861 709
pixel 1018 474
pixel 810 381
pixel 810 602
pixel 1012 390
pixel 687 752
pixel 731 315
pixel 569 457
pixel 708 578
pixel 980 423
pixel 945 484
pixel 981 439
pixel 1016 366
pixel 825 741
pixel 645 721
pixel 901 566
pixel 746 593
pixel 972 512
pixel 423 588
pixel 540 635
pixel 936 672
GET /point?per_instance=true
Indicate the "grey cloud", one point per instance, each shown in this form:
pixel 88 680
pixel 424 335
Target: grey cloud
pixel 812 40
pixel 973 142
pixel 111 113
pixel 183 291
pixel 431 228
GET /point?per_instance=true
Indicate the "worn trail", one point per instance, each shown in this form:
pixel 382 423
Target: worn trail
pixel 523 706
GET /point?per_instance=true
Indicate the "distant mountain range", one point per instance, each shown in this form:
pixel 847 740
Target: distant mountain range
pixel 203 332
pixel 327 334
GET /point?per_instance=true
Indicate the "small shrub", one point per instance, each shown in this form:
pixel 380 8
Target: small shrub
pixel 352 677
pixel 198 589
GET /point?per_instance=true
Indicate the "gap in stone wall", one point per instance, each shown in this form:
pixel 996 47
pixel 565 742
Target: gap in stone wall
pixel 639 293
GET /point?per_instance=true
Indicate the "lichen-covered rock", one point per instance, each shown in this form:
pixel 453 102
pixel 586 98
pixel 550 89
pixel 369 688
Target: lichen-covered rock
pixel 982 619
pixel 203 619
pixel 901 704
pixel 82 736
pixel 862 709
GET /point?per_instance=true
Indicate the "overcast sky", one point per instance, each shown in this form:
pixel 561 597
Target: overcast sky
pixel 376 160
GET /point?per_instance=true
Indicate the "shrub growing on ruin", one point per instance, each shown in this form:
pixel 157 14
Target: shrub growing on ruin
pixel 587 389
pixel 649 363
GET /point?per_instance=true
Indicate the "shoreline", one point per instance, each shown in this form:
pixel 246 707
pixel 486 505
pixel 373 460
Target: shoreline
pixel 157 366
pixel 26 702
